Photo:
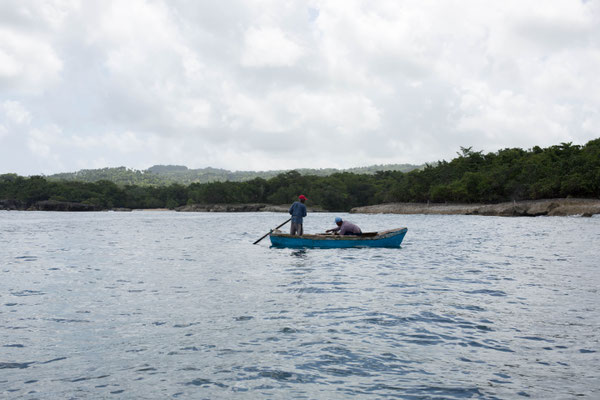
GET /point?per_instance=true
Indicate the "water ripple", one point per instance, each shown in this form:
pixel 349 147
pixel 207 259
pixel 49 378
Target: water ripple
pixel 182 305
pixel 8 365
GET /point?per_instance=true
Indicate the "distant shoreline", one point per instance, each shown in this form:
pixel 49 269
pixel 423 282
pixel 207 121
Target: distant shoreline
pixel 526 208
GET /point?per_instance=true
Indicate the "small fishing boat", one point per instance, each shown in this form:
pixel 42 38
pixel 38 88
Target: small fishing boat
pixel 391 238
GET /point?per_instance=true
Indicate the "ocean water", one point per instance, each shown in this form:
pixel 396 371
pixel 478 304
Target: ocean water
pixel 156 305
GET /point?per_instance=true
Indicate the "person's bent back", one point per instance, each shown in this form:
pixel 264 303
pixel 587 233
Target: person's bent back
pixel 345 228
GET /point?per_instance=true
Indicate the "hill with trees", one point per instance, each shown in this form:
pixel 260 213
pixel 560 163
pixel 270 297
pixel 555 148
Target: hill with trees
pixel 169 174
pixel 563 170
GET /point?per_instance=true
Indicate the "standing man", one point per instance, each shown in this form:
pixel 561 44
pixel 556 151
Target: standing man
pixel 298 211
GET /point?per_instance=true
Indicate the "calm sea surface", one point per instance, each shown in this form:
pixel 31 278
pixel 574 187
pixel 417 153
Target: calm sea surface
pixel 158 305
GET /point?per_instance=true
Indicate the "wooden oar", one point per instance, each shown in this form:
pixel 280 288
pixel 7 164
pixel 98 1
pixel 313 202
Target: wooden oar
pixel 272 231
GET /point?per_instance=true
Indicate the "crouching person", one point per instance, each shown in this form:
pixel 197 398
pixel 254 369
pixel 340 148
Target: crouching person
pixel 345 228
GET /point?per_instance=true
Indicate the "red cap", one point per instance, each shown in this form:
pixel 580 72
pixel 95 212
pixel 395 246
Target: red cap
pixel 302 197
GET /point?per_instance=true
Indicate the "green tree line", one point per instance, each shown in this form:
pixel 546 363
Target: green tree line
pixel 564 170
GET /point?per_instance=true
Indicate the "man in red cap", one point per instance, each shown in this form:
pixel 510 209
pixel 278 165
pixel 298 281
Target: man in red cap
pixel 298 211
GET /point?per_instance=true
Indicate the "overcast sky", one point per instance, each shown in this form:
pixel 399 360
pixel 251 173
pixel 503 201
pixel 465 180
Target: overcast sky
pixel 260 85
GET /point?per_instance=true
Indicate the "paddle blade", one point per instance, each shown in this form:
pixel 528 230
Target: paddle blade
pixel 262 238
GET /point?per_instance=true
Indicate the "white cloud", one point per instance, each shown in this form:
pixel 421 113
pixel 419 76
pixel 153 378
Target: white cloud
pixel 3 131
pixel 28 64
pixel 506 119
pixel 40 141
pixel 269 47
pixel 591 124
pixel 292 109
pixel 267 84
pixel 190 113
pixel 14 113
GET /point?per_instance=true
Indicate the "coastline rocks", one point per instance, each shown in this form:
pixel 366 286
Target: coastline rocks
pixel 46 205
pixel 246 207
pixel 52 205
pixel 278 208
pixel 417 208
pixel 9 204
pixel 221 207
pixel 528 208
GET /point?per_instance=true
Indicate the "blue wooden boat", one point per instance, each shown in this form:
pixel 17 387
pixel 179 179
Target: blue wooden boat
pixel 391 238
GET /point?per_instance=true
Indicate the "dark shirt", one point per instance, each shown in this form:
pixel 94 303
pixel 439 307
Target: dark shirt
pixel 297 210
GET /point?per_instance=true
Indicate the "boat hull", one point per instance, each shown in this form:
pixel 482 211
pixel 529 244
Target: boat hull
pixel 391 238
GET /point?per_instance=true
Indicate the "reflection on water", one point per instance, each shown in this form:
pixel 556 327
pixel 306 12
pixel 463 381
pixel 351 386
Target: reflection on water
pixel 299 253
pixel 161 305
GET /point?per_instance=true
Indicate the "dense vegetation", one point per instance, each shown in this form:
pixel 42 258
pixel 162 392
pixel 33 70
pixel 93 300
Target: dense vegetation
pixel 169 174
pixel 510 174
